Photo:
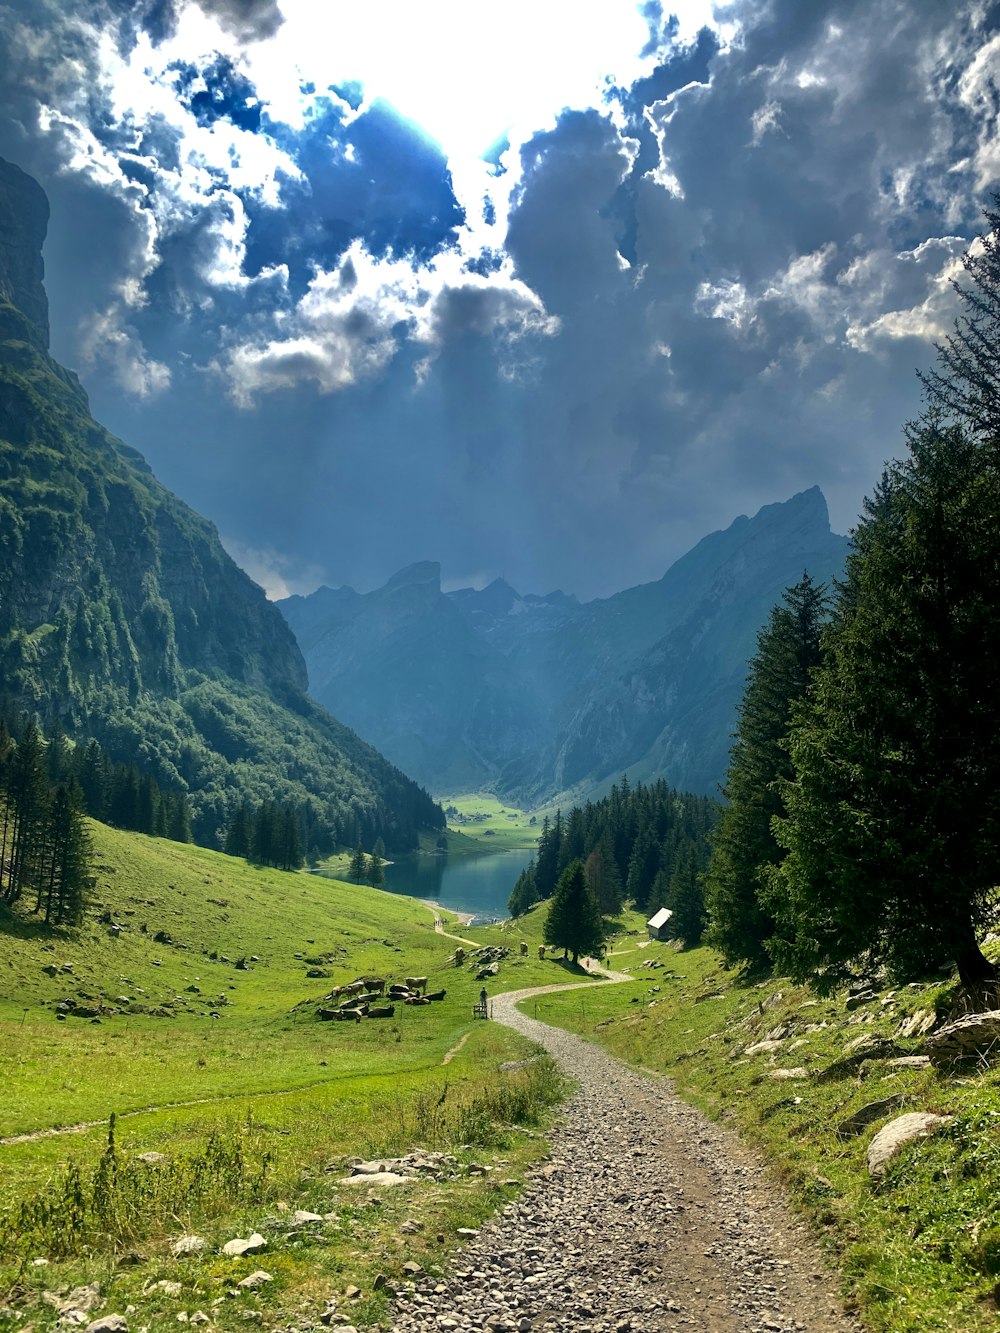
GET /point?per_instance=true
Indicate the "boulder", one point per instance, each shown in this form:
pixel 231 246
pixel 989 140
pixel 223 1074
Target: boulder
pixel 763 1048
pixel 186 1245
pixel 108 1323
pixel 380 1178
pixel 917 1024
pixel 255 1280
pixel 909 1062
pixel 237 1247
pixel 973 1037
pixel 867 1115
pixel 302 1218
pixel 897 1133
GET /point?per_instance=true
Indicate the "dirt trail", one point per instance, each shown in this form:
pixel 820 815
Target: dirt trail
pixel 645 1218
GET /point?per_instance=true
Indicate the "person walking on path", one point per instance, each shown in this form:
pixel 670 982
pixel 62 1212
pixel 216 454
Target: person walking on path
pixel 482 1000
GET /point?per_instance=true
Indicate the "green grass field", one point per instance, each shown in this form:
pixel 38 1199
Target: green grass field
pixel 264 1077
pixel 487 824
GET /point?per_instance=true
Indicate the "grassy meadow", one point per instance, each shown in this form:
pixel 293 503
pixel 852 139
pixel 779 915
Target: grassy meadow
pixel 254 1110
pixel 488 824
pixel 921 1249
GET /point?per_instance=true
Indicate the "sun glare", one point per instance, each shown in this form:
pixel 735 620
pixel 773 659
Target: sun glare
pixel 468 74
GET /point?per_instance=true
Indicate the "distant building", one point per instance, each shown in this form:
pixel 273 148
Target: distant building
pixel 657 925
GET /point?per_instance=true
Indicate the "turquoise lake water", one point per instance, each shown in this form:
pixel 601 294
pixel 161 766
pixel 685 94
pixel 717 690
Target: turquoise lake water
pixel 477 884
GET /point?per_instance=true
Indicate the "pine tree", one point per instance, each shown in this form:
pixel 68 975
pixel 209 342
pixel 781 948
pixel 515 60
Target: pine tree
pixel 686 901
pixel 574 920
pixel 894 814
pixel 601 874
pixel 238 831
pixel 358 866
pixel 178 818
pixel 374 873
pixel 524 893
pixel 27 811
pixel 69 858
pixel 967 385
pixel 788 651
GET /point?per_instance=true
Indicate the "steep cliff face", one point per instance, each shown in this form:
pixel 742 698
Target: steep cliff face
pixel 24 217
pixel 122 615
pixel 541 695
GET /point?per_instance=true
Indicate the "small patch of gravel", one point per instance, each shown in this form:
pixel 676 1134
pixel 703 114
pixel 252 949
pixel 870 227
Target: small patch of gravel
pixel 645 1217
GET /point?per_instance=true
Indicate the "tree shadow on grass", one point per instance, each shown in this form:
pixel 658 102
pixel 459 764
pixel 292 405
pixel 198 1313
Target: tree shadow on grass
pixel 22 927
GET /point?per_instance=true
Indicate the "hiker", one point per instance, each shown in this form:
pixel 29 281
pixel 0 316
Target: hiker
pixel 482 998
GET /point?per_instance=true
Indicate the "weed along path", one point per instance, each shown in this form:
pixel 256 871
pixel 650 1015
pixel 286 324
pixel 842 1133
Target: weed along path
pixel 645 1217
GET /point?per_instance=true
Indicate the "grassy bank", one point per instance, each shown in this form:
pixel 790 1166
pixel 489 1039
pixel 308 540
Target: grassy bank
pixel 920 1250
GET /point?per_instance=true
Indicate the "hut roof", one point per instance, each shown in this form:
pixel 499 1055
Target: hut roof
pixel 660 918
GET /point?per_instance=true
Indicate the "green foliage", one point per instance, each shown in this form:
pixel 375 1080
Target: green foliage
pixel 356 871
pixel 574 919
pixel 374 872
pixel 894 814
pixel 743 842
pixel 123 1198
pixel 122 619
pixel 634 833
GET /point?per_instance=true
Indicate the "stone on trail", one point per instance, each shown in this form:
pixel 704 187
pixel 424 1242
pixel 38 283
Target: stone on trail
pixel 188 1245
pixel 975 1036
pixel 237 1247
pixel 897 1133
pixel 255 1280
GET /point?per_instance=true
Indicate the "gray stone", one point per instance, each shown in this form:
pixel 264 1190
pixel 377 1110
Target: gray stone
pixel 238 1247
pixel 867 1115
pixel 186 1245
pixel 302 1218
pixel 380 1178
pixel 109 1323
pixel 975 1036
pixel 255 1280
pixel 897 1133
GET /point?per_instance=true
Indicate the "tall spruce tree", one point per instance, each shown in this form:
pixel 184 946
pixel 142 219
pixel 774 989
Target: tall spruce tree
pixel 574 920
pixel 356 870
pixel 894 813
pixel 743 844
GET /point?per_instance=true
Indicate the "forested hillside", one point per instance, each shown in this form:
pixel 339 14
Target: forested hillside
pixel 122 617
pixel 645 844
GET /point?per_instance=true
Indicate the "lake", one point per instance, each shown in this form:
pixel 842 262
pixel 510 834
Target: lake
pixel 477 884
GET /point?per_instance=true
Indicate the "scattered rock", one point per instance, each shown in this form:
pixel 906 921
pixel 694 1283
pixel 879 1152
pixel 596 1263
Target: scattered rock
pixel 897 1133
pixel 237 1247
pixel 867 1115
pixel 188 1245
pixel 152 1158
pixel 763 1048
pixel 780 1074
pixel 909 1062
pixel 387 1178
pixel 199 1317
pixel 976 1036
pixel 917 1024
pixel 255 1280
pixel 301 1218
pixel 109 1323
pixel 172 1289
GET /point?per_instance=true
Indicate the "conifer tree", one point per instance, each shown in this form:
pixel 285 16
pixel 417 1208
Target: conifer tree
pixel 374 872
pixel 686 901
pixel 894 812
pixel 574 920
pixel 743 844
pixel 358 866
pixel 239 831
pixel 27 808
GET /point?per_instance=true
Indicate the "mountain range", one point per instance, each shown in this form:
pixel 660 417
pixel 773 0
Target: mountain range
pixel 123 619
pixel 543 697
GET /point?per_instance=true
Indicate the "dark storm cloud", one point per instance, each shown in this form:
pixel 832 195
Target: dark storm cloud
pixel 218 91
pixel 249 20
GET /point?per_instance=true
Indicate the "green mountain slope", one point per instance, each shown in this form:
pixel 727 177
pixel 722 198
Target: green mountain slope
pixel 122 615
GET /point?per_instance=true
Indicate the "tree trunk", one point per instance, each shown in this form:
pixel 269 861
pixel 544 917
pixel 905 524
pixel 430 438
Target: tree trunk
pixel 979 977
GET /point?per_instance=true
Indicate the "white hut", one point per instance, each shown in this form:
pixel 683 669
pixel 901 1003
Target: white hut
pixel 658 926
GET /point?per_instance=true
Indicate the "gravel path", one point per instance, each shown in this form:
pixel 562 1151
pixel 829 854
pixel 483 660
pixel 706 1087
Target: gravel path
pixel 645 1217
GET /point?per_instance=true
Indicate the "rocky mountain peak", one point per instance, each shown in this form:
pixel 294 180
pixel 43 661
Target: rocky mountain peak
pixel 24 219
pixel 423 573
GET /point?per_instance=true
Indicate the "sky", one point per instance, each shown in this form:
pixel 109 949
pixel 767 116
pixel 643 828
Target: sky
pixel 538 290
